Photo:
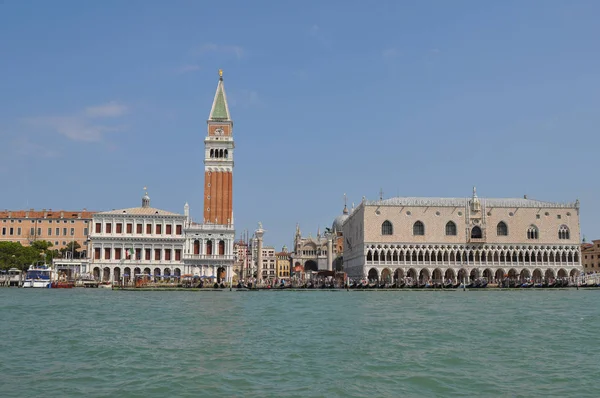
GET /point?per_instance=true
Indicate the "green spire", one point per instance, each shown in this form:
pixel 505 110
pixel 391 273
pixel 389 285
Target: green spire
pixel 220 110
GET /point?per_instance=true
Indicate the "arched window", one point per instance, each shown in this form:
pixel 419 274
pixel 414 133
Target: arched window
pixel 502 229
pixel 450 228
pixel 418 228
pixel 226 154
pixel 209 248
pixel 476 233
pixel 386 228
pixel 532 232
pixel 212 153
pixel 563 232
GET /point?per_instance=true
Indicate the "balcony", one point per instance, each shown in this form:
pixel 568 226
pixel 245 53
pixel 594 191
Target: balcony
pixel 211 257
pixel 196 227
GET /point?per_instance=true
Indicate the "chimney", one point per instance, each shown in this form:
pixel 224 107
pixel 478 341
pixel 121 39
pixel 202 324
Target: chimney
pixel 62 214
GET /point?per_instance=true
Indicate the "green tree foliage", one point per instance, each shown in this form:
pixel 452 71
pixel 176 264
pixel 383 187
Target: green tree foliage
pixel 14 255
pixel 72 248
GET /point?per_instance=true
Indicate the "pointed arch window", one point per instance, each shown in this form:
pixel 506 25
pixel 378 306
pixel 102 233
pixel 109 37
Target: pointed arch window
pixel 418 228
pixel 450 228
pixel 387 228
pixel 563 232
pixel 532 232
pixel 476 233
pixel 502 229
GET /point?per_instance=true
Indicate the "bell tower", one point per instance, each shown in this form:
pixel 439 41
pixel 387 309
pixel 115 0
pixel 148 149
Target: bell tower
pixel 218 161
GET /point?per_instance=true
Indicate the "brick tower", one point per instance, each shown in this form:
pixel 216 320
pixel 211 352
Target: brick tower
pixel 218 161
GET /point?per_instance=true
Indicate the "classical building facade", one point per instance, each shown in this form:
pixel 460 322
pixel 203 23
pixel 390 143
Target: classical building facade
pixel 590 256
pixel 440 239
pixel 165 243
pixel 141 240
pixel 59 227
pixel 310 253
pixel 282 264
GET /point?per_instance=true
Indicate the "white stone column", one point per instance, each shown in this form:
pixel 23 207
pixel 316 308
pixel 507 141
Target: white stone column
pixel 330 252
pixel 259 239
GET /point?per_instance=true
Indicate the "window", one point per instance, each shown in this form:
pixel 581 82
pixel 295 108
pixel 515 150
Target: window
pixel 177 254
pixel 32 231
pixel 157 254
pixel 476 233
pixel 11 231
pixel 64 232
pixel 39 232
pixel 107 253
pixel 108 228
pixel 129 228
pixel 138 228
pixel 387 228
pixel 97 253
pixel 19 231
pixel 169 228
pixel 558 216
pixel 537 216
pixel 118 253
pixel 4 231
pixel 450 228
pixel 158 229
pixel 532 232
pixel 178 230
pixel 49 231
pixel 85 232
pixel 147 254
pixel 563 232
pixel 501 229
pixel 98 227
pixel 57 231
pixel 149 229
pixel 119 228
pixel 72 231
pixel 138 254
pixel 418 228
pixel 168 254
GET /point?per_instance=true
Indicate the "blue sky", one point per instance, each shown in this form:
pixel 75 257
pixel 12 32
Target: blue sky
pixel 417 98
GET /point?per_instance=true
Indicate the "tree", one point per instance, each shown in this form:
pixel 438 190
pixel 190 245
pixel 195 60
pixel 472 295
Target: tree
pixel 70 250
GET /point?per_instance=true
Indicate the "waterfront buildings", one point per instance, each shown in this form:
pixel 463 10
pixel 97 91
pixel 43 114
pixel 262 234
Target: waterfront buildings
pixel 59 227
pixel 151 241
pixel 282 264
pixel 461 238
pixel 590 256
pixel 268 262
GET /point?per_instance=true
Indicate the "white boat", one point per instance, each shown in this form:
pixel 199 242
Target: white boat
pixel 105 285
pixel 39 276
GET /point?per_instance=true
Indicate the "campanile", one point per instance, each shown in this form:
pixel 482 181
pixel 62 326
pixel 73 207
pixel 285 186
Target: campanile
pixel 218 161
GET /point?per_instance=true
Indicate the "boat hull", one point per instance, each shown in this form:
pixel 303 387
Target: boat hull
pixel 33 283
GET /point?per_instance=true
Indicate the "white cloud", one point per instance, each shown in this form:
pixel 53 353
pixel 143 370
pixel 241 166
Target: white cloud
pixel 24 147
pixel 87 125
pixel 237 51
pixel 188 68
pixel 110 109
pixel 76 128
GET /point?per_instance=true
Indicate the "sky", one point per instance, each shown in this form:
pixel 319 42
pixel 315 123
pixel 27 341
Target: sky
pixel 413 98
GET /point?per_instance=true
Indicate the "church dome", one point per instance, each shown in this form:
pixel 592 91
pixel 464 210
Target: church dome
pixel 339 221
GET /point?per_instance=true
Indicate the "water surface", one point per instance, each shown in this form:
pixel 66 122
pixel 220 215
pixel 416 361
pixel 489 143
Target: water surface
pixel 100 343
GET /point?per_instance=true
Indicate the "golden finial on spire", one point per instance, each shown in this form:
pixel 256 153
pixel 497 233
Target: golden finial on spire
pixel 146 190
pixel 220 74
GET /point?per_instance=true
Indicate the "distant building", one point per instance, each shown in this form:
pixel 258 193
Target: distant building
pixel 268 263
pixel 59 227
pixel 243 260
pixel 590 256
pixel 462 238
pixel 134 241
pixel 283 264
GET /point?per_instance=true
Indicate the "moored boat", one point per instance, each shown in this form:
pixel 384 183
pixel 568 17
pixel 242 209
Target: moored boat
pixel 38 276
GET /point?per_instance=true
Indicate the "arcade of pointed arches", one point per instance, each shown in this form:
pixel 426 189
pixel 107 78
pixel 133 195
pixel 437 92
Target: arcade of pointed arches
pixel 425 262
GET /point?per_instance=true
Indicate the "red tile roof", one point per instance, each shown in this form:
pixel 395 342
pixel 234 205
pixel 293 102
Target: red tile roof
pixel 48 214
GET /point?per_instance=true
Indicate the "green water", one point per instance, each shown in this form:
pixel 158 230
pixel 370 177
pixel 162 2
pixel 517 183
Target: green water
pixel 102 343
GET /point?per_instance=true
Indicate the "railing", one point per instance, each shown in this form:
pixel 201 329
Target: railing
pixel 209 257
pixel 191 226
